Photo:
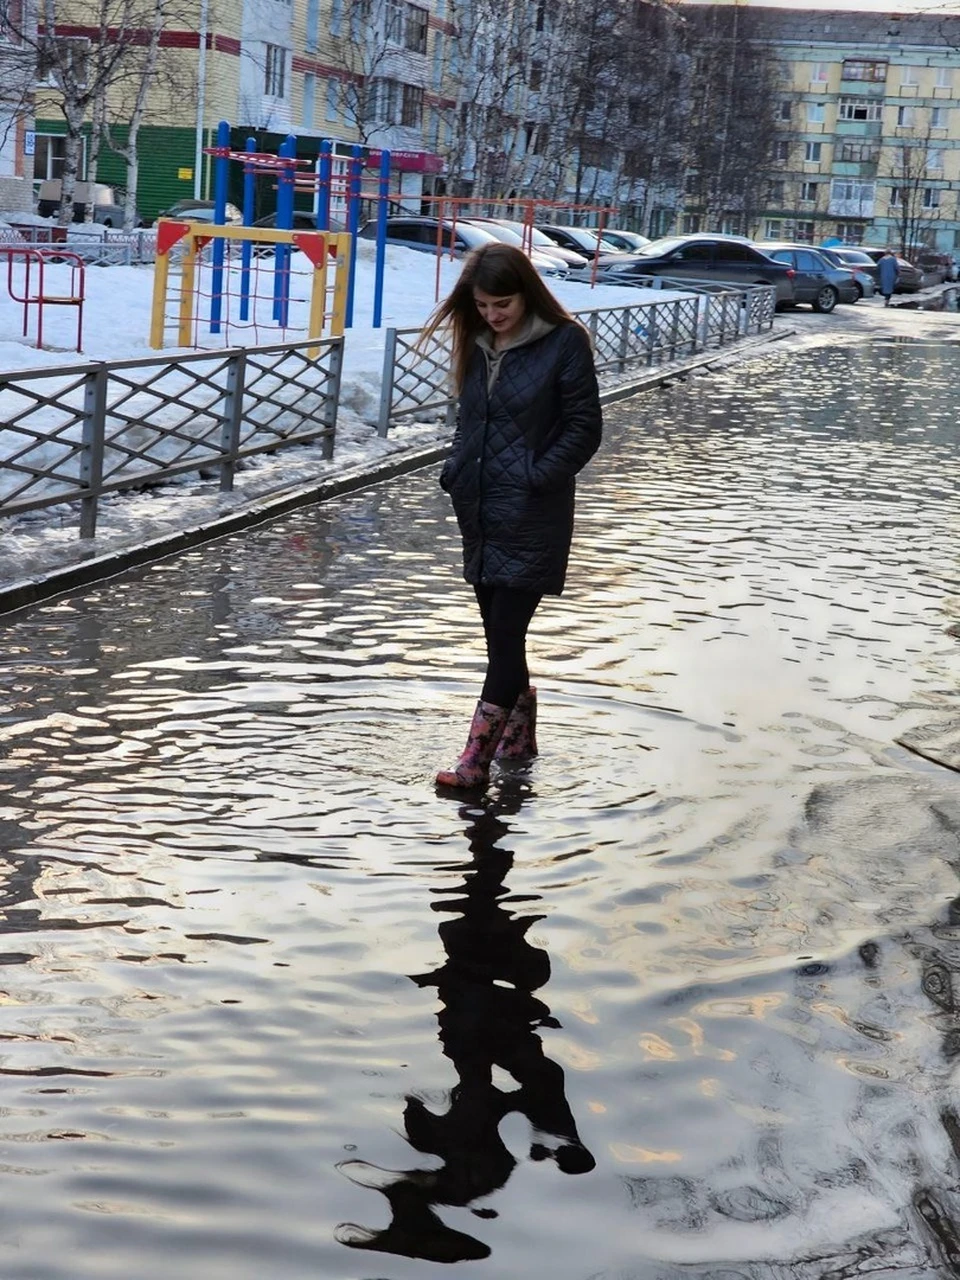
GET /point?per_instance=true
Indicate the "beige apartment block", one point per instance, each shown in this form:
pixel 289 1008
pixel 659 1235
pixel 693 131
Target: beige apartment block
pixel 868 120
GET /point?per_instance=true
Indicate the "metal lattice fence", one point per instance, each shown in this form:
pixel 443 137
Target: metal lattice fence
pixel 416 381
pixel 78 433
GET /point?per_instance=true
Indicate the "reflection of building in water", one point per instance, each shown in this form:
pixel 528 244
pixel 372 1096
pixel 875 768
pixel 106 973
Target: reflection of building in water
pixel 489 1019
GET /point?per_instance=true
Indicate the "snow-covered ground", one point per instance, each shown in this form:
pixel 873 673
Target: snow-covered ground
pixel 116 324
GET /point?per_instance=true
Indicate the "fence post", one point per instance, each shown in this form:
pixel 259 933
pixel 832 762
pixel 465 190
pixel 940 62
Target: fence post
pixel 331 402
pixel 702 340
pixel 653 331
pixel 386 383
pixel 625 322
pixel 232 417
pixel 91 446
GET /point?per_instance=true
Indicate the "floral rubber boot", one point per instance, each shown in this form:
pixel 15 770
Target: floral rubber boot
pixel 519 738
pixel 473 767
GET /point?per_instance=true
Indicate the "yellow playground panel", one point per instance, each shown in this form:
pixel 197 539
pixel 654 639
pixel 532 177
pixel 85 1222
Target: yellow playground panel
pixel 229 282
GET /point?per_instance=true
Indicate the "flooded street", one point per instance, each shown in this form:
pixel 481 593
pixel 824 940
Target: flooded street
pixel 681 1001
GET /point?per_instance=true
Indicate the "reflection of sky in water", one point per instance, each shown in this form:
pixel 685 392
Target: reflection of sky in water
pixel 708 939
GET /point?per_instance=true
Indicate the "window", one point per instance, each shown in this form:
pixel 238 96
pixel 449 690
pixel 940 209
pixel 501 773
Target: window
pixel 908 76
pixel 852 191
pixel 812 152
pixel 541 15
pixel 596 155
pixel 411 115
pixel 904 117
pixel 896 197
pixel 931 197
pixel 438 47
pixel 690 223
pixel 333 99
pixel 944 78
pixel 808 191
pixel 48 156
pixel 819 72
pixel 860 109
pixel 859 69
pixel 806 232
pixel 274 73
pixel 309 97
pixel 691 184
pixel 816 113
pixel 807 261
pixel 859 152
pixel 734 251
pixel 393 20
pixel 776 192
pixel 852 232
pixel 336 17
pixel 311 34
pixel 771 229
pixel 537 138
pixel 785 109
pixel 415 29
pixel 935 161
pixel 939 117
pixel 781 151
pixel 536 76
pixel 385 101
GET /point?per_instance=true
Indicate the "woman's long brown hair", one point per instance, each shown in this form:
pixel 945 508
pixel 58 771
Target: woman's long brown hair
pixel 500 270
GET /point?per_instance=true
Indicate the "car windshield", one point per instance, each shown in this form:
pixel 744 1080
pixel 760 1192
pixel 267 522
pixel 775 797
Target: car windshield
pixel 537 238
pixel 853 255
pixel 498 231
pixel 657 247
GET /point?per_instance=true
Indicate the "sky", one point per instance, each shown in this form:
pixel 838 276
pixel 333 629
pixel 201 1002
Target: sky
pixel 857 6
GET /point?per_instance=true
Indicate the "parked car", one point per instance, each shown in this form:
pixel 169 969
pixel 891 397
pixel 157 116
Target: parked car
pixel 816 280
pixel 506 236
pixel 861 264
pixel 462 237
pixel 910 278
pixel 628 241
pixel 579 239
pixel 108 202
pixel 200 211
pixel 715 259
pixel 540 242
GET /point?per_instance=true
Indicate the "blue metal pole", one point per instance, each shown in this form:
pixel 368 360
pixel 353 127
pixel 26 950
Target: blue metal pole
pixel 353 223
pixel 383 192
pixel 323 195
pixel 246 252
pixel 284 222
pixel 220 184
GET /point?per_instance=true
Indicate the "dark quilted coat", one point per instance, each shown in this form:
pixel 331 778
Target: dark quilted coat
pixel 515 454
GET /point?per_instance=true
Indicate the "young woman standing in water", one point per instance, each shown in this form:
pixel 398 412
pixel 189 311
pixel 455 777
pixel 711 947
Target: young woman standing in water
pixel 529 419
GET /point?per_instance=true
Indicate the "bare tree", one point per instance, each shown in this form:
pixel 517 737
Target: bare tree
pixel 381 48
pixel 731 85
pixel 914 202
pixel 18 34
pixel 497 70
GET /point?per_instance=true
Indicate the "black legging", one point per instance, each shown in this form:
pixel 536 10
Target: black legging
pixel 506 615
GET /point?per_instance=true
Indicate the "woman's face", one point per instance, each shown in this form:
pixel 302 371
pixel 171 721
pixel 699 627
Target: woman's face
pixel 503 315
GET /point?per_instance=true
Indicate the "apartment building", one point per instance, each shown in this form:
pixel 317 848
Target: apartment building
pixel 17 135
pixel 373 72
pixel 867 146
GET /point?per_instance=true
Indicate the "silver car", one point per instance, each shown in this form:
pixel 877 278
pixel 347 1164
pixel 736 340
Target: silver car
pixel 425 234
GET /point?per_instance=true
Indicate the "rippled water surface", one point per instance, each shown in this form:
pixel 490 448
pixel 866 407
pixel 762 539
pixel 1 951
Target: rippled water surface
pixel 677 1001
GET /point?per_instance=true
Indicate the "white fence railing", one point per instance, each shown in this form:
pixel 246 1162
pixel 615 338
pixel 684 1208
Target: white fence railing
pixel 75 433
pixel 416 378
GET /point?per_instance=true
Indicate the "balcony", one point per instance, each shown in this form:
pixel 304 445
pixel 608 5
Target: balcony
pixel 859 128
pixel 855 168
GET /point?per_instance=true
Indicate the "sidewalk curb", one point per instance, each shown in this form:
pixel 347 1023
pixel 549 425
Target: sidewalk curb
pixel 32 591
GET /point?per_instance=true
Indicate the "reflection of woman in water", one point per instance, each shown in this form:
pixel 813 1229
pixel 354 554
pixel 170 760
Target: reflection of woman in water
pixel 490 1018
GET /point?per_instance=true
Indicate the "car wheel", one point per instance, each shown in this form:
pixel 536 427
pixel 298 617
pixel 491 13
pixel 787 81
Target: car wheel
pixel 826 299
pixel 859 297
